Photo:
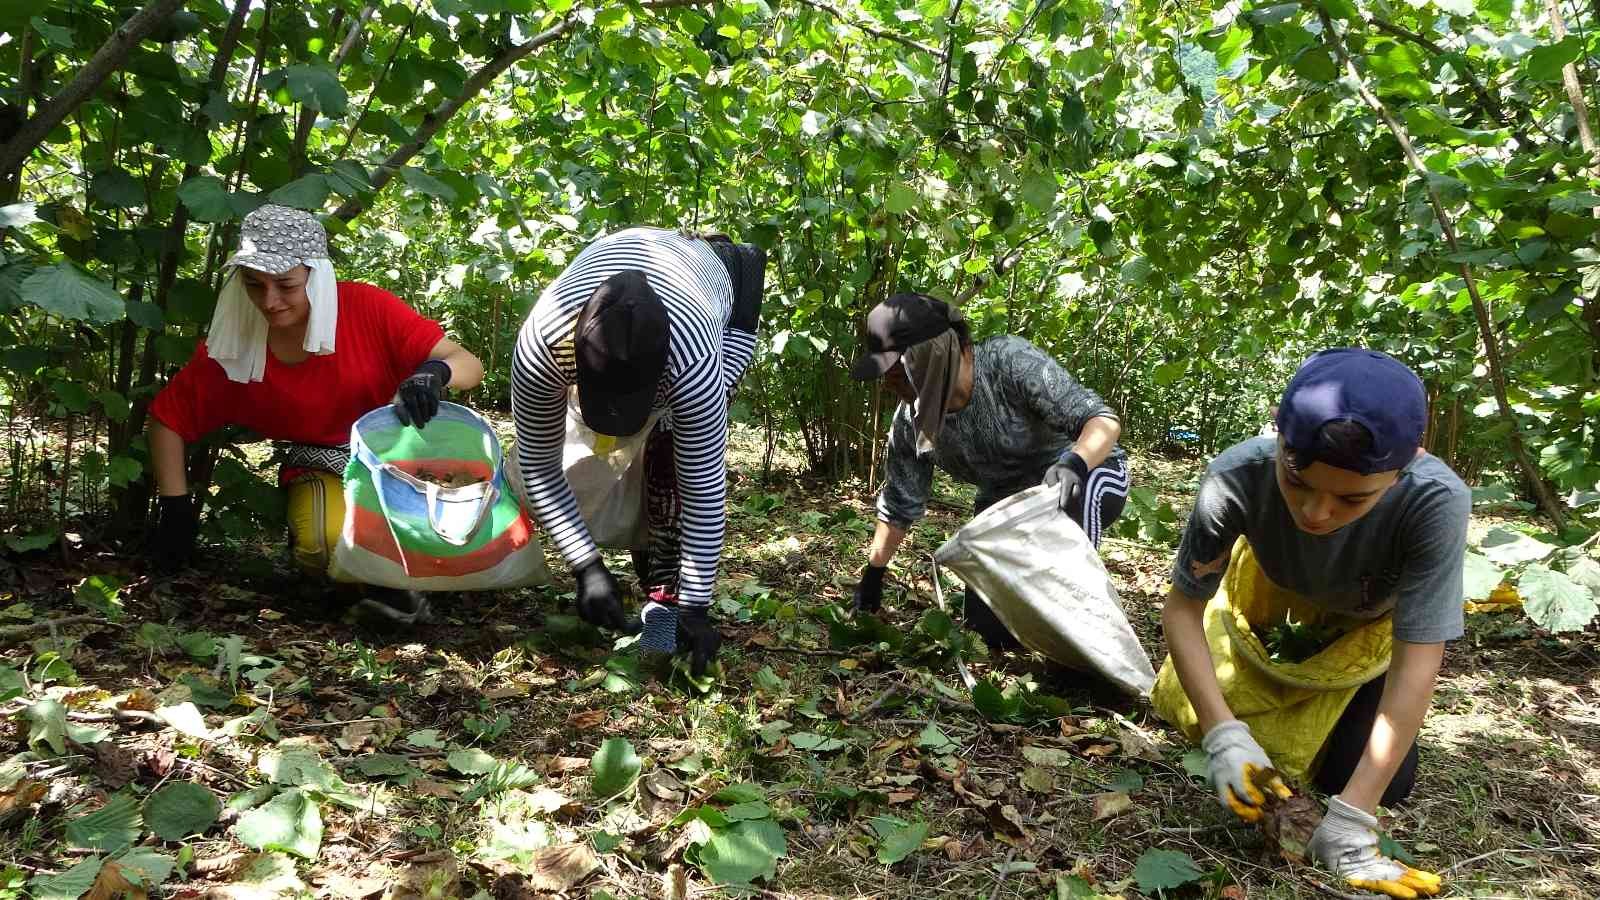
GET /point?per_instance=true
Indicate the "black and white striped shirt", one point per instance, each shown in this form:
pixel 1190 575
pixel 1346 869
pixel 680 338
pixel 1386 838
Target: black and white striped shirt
pixel 705 361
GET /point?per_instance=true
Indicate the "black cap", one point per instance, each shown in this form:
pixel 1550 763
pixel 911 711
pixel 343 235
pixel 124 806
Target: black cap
pixel 1358 385
pixel 895 326
pixel 621 347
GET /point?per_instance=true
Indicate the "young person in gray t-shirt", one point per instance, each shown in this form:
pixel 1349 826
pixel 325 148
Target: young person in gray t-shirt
pixel 1344 508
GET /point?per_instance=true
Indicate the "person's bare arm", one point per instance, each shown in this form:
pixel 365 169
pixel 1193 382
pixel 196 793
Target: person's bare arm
pixel 1094 443
pixel 466 371
pixel 1407 693
pixel 1183 622
pixel 168 460
pixel 885 541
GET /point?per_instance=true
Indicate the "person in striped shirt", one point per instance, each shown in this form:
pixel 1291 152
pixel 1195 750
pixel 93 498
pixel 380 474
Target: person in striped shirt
pixel 644 322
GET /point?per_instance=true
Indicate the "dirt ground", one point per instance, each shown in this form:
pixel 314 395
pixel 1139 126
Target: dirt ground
pixel 460 759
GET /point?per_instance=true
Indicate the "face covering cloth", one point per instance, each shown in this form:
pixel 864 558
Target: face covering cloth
pixel 238 336
pixel 933 366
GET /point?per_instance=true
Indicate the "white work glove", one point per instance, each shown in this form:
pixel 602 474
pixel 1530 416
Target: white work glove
pixel 1347 844
pixel 1234 758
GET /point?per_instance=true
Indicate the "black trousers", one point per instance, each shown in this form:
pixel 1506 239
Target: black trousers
pixel 1349 740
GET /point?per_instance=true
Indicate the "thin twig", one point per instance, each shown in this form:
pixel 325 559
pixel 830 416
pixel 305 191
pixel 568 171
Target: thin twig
pixel 875 32
pixel 1340 894
pixel 311 725
pixel 1005 869
pixel 12 632
pixel 802 651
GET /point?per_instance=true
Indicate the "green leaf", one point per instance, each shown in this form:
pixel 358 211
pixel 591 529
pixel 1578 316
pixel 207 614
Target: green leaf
pixel 422 182
pixel 816 743
pixel 1197 763
pixel 1163 870
pixel 1341 9
pixel 180 809
pixel 934 738
pixel 1457 7
pixel 1554 601
pixel 207 199
pixel 47 724
pixel 1074 887
pixel 101 594
pixel 471 761
pixel 54 34
pixel 426 739
pixel 742 792
pixel 1545 63
pixel 989 701
pixel 307 192
pixel 746 851
pixel 68 885
pixel 1479 576
pixel 897 838
pixel 12 684
pixel 116 188
pixel 316 87
pixel 146 867
pixel 615 766
pixel 71 293
pixel 1039 189
pixel 1136 271
pixel 110 828
pixel 755 809
pixel 186 719
pixel 1314 64
pixel 901 198
pixel 1510 548
pixel 290 822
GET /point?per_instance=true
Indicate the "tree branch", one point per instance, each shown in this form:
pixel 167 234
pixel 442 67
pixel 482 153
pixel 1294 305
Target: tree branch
pixel 869 29
pixel 308 116
pixel 99 67
pixel 1480 309
pixel 433 121
pixel 949 47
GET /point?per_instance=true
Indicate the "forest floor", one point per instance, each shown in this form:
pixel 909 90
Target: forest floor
pixel 466 757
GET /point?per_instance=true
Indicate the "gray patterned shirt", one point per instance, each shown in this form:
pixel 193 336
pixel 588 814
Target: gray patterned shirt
pixel 1025 410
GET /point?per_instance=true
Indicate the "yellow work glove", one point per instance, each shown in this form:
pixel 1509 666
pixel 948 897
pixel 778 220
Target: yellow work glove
pixel 1234 758
pixel 1347 844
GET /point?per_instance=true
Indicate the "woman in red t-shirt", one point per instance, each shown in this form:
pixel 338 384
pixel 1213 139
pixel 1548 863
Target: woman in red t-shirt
pixel 295 356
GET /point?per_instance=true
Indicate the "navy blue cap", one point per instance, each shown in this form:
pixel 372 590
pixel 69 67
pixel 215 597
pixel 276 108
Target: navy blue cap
pixel 1353 384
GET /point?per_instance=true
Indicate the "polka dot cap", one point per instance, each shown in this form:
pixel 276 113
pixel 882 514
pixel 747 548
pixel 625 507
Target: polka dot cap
pixel 275 239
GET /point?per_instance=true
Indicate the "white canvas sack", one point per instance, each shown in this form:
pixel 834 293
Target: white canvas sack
pixel 1046 583
pixel 606 475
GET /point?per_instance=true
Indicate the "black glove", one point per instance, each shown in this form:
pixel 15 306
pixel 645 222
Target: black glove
pixel 869 591
pixel 417 401
pixel 1069 474
pixel 697 635
pixel 172 542
pixel 747 270
pixel 600 599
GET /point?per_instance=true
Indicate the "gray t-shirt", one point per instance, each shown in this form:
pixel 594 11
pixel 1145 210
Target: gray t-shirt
pixel 1405 554
pixel 1025 410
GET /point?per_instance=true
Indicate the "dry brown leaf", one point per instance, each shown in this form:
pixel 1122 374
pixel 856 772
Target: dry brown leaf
pixel 427 877
pixel 1110 805
pixel 763 639
pixel 160 761
pixel 373 732
pixel 430 788
pixel 1038 780
pixel 545 800
pixel 840 702
pixel 664 785
pixel 14 804
pixel 111 884
pixel 1287 824
pixel 140 698
pixel 1233 892
pixel 898 797
pixel 555 765
pixel 507 691
pixel 1137 743
pixel 559 868
pixel 116 766
pixel 338 884
pixel 589 718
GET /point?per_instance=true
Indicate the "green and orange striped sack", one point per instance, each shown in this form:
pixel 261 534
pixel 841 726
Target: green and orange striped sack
pixel 431 509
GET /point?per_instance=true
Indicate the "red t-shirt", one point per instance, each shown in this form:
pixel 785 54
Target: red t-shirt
pixel 379 342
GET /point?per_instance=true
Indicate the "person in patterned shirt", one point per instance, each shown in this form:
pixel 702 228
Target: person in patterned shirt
pixel 1001 414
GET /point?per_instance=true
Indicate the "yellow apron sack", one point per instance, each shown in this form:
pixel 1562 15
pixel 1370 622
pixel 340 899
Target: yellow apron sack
pixel 1291 708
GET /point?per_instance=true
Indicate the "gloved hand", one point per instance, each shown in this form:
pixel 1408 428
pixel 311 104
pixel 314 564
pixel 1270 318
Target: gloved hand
pixel 700 636
pixel 1069 474
pixel 748 288
pixel 669 628
pixel 1234 760
pixel 417 400
pixel 172 542
pixel 600 598
pixel 1347 844
pixel 868 596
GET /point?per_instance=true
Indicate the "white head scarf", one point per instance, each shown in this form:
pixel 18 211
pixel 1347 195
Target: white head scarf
pixel 273 239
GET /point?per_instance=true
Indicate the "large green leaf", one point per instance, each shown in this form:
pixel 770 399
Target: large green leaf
pixel 746 851
pixel 290 822
pixel 615 766
pixel 1554 601
pixel 68 885
pixel 306 192
pixel 897 838
pixel 316 87
pixel 207 199
pixel 115 187
pixel 71 293
pixel 1479 576
pixel 180 809
pixel 110 828
pixel 1164 870
pixel 1511 548
pixel 1545 63
pixel 422 182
